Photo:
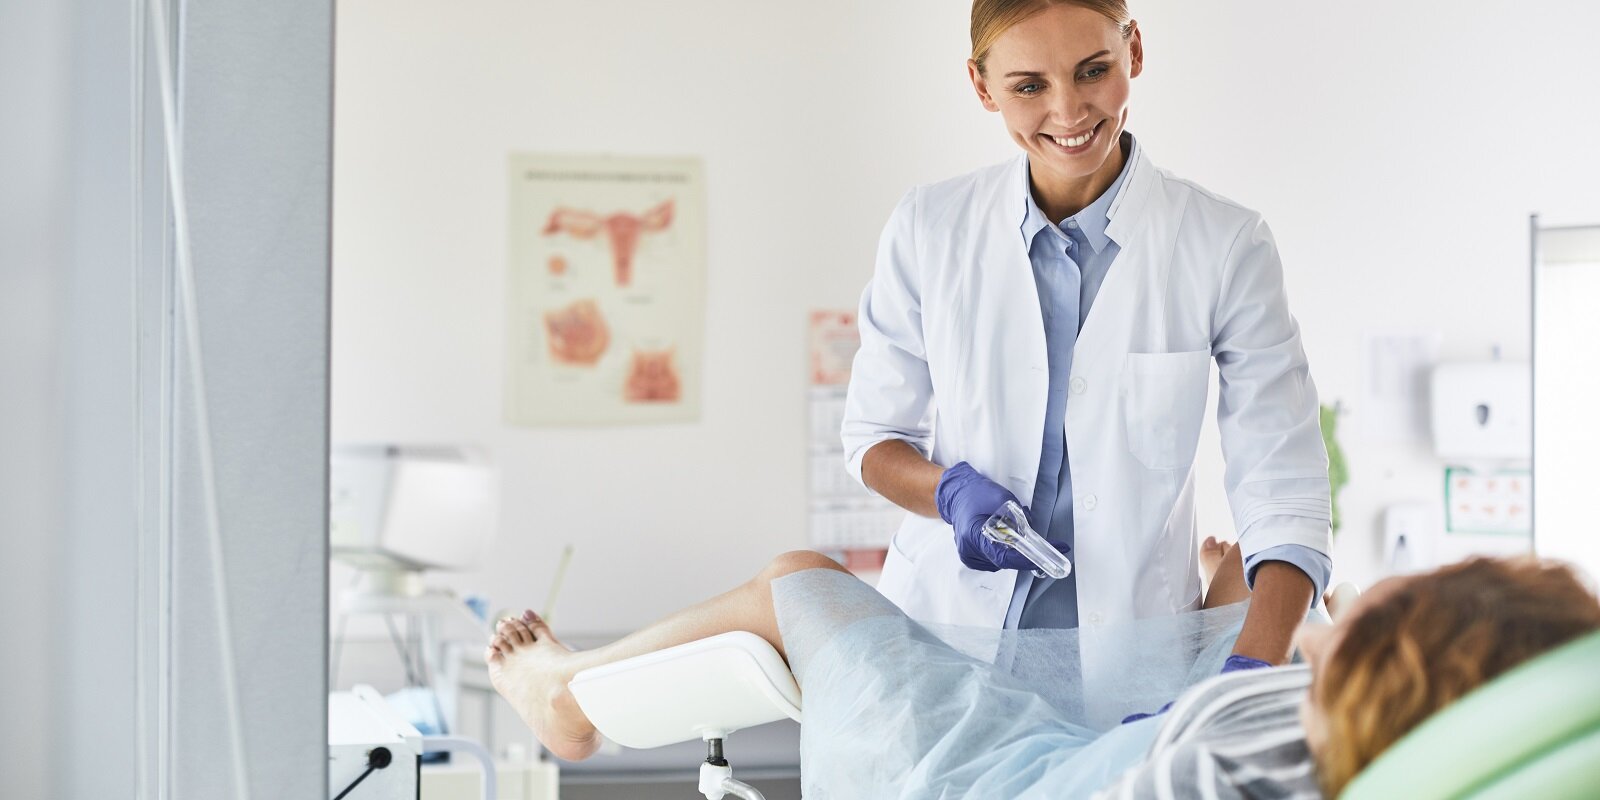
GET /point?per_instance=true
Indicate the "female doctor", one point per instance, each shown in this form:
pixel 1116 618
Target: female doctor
pixel 1043 329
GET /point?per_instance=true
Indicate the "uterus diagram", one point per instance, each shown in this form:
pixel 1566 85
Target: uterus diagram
pixel 577 334
pixel 622 230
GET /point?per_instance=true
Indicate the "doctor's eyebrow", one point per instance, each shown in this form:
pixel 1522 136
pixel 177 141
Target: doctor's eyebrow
pixel 1041 74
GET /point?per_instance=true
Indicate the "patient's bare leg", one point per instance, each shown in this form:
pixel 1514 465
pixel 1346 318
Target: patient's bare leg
pixel 1211 552
pixel 1227 584
pixel 530 667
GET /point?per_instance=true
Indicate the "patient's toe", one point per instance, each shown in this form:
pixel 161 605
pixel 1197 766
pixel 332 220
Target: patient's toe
pixel 541 629
pixel 524 635
pixel 508 632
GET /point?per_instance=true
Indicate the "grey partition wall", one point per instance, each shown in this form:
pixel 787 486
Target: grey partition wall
pixel 33 205
pixel 256 120
pixel 119 680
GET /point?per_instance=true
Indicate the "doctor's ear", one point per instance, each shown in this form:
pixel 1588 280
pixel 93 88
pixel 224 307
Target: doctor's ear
pixel 1135 50
pixel 981 86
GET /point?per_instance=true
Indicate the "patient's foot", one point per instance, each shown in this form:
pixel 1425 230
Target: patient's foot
pixel 1211 552
pixel 530 668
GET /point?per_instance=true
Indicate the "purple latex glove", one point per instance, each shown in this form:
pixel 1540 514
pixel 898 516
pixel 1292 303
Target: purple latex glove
pixel 1233 664
pixel 1237 663
pixel 1137 717
pixel 966 500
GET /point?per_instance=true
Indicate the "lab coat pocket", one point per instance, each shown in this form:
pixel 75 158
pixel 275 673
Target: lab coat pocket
pixel 1164 399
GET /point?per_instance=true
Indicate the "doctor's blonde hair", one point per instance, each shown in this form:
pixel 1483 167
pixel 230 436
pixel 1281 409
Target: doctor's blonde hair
pixel 990 18
pixel 1436 637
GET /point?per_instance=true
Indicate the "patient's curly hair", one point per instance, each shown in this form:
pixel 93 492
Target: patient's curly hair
pixel 1435 638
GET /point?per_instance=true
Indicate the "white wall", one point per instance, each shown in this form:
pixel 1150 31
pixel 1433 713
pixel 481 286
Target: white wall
pixel 1396 151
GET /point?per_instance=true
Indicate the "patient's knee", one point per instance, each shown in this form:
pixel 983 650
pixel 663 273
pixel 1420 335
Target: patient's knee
pixel 797 561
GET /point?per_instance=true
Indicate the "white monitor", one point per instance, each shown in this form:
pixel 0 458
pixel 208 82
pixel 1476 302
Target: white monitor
pixel 411 508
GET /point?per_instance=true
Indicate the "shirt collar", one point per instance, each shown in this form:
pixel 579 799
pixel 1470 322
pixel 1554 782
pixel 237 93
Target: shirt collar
pixel 1093 219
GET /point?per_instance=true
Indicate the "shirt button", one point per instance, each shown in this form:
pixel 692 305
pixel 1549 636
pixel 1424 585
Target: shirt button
pixel 1078 385
pixel 1072 223
pixel 1090 501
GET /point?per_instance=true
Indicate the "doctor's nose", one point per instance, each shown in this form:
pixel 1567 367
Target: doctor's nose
pixel 1069 111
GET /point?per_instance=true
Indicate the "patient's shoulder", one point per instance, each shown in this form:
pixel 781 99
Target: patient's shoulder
pixel 1233 736
pixel 1237 702
pixel 1229 770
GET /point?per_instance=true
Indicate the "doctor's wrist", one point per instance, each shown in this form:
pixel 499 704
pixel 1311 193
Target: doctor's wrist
pixel 950 483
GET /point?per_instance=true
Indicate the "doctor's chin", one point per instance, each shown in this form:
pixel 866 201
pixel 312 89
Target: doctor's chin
pixel 1102 399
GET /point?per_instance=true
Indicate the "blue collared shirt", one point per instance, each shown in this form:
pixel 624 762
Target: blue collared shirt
pixel 1070 262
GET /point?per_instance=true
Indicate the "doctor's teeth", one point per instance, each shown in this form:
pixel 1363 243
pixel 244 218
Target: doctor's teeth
pixel 1075 141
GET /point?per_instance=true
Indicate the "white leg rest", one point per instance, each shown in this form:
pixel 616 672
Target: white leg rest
pixel 699 690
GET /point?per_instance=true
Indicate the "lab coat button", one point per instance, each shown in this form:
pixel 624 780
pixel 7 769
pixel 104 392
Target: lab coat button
pixel 1078 385
pixel 1094 618
pixel 1090 501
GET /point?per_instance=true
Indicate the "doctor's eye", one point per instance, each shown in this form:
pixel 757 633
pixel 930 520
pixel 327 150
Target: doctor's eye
pixel 1028 88
pixel 1094 73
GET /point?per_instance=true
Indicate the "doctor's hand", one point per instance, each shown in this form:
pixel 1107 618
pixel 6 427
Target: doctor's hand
pixel 1236 663
pixel 966 500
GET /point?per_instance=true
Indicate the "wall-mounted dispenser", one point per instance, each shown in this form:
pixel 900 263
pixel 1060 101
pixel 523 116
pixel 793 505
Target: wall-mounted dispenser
pixel 1482 410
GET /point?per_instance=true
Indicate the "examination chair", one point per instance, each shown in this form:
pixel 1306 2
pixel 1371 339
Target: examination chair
pixel 1533 732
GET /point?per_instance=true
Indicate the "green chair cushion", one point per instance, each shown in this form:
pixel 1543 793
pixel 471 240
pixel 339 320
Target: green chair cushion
pixel 1569 772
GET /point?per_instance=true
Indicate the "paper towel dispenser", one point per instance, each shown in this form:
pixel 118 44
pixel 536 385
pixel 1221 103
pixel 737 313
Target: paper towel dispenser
pixel 1483 410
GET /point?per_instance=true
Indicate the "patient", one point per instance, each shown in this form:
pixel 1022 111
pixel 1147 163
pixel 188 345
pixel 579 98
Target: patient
pixel 1404 650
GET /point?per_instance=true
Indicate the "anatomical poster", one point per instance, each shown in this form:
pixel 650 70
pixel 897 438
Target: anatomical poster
pixel 607 290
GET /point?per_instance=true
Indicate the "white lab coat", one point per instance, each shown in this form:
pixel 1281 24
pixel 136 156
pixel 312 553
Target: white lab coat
pixel 953 361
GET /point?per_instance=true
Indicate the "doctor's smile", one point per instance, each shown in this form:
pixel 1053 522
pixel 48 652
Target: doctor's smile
pixel 1074 144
